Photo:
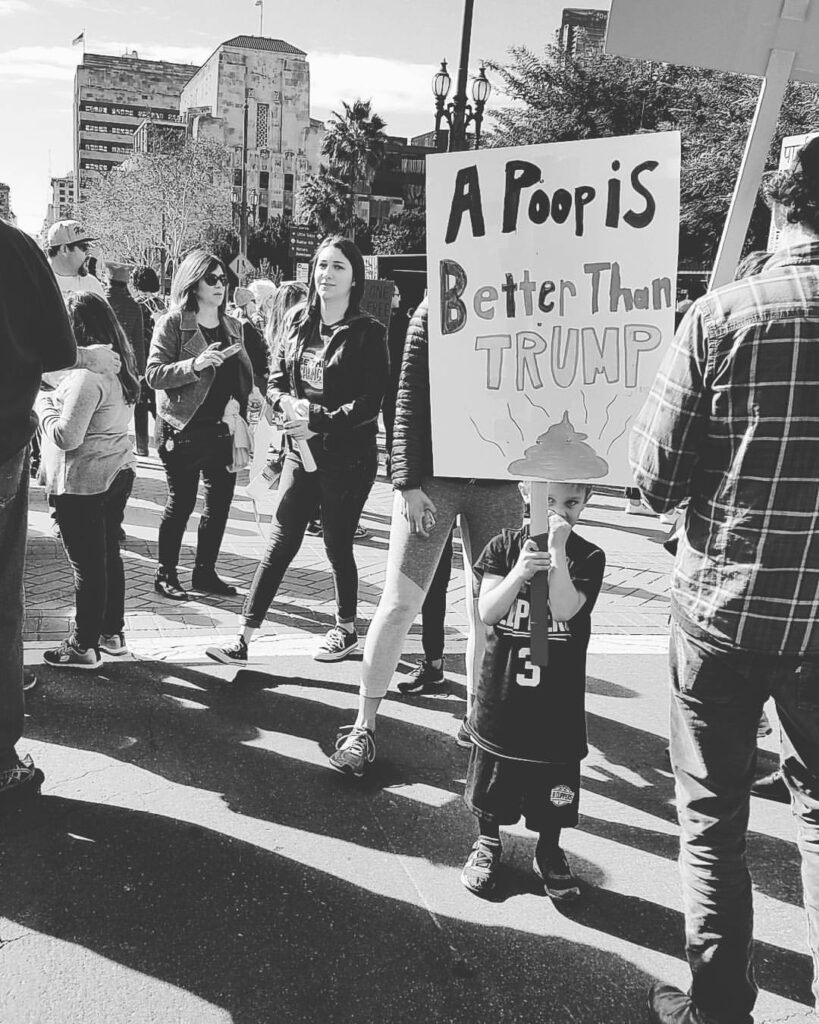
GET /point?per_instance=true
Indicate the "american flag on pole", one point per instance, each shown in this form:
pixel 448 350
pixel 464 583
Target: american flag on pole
pixel 80 38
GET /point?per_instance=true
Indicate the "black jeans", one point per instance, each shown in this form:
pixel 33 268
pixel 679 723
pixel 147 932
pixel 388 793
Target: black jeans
pixel 717 698
pixel 340 486
pixel 433 610
pixel 13 528
pixel 205 451
pixel 89 528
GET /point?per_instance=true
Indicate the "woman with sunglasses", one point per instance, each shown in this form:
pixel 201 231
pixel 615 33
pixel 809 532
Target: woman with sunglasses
pixel 327 379
pixel 197 363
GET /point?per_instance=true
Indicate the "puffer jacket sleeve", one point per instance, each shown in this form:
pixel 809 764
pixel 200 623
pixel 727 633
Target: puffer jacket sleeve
pixel 412 433
pixel 164 371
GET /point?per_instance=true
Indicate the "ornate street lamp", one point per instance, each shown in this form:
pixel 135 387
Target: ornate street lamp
pixel 459 113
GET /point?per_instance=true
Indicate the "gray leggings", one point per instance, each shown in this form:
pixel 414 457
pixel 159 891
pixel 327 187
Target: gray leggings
pixel 484 509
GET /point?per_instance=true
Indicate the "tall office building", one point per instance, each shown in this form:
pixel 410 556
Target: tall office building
pixel 5 204
pixel 61 206
pixel 112 97
pixel 582 31
pixel 283 142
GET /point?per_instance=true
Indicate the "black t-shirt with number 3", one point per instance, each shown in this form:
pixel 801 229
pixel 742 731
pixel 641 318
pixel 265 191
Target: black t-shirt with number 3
pixel 521 711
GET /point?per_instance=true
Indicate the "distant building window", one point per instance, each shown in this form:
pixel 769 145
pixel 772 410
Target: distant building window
pixel 121 149
pixel 121 130
pixel 98 146
pixel 262 214
pixel 94 165
pixel 262 118
pixel 288 183
pixel 237 175
pixel 93 108
pixel 264 179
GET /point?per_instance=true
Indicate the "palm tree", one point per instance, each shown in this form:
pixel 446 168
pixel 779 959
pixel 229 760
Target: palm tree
pixel 355 143
pixel 322 202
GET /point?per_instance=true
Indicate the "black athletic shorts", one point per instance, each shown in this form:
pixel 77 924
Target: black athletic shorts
pixel 503 791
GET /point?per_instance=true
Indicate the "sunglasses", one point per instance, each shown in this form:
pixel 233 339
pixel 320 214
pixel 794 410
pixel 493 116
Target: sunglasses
pixel 82 246
pixel 214 279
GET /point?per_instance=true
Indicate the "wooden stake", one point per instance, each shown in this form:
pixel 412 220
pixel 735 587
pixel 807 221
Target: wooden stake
pixel 539 587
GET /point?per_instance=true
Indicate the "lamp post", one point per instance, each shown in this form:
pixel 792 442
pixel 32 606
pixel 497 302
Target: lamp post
pixel 459 113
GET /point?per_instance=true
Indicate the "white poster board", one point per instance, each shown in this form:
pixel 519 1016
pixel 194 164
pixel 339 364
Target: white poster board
pixel 552 284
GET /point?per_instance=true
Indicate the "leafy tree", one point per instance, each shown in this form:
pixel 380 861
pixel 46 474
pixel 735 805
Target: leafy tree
pixel 271 242
pixel 557 98
pixel 354 144
pixel 404 232
pixel 160 203
pixel 322 202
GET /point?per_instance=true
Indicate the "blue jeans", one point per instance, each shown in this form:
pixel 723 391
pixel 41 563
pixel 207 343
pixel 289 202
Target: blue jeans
pixel 13 528
pixel 717 698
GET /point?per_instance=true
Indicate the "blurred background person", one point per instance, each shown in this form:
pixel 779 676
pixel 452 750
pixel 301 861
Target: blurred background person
pixel 245 307
pixel 145 284
pixel 67 248
pixel 129 313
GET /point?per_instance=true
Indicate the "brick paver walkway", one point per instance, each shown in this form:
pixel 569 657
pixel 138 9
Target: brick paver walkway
pixel 634 597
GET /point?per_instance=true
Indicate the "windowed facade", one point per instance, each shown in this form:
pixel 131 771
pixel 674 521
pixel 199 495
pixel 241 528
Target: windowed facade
pixel 262 125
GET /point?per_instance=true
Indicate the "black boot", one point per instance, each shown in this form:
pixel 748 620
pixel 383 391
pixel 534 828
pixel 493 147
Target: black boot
pixel 205 579
pixel 166 583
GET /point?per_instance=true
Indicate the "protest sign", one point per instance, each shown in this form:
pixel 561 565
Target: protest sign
pixel 552 281
pixel 377 300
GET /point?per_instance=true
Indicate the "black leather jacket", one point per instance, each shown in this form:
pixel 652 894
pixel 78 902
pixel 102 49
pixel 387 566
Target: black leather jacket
pixel 356 373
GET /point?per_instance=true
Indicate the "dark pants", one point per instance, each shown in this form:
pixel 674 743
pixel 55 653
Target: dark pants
pixel 207 454
pixel 13 528
pixel 717 698
pixel 340 487
pixel 433 610
pixel 89 528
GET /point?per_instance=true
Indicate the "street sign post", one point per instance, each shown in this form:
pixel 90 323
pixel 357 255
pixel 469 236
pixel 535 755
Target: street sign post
pixel 241 267
pixel 776 40
pixel 303 243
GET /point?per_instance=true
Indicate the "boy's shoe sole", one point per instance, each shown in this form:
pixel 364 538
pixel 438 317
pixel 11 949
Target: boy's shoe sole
pixel 217 654
pixel 336 655
pixel 567 895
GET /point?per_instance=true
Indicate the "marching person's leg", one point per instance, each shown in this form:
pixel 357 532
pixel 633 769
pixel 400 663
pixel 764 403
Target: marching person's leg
pixel 411 563
pixel 715 706
pixel 797 704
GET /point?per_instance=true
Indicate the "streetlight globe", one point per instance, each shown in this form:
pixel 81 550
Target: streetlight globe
pixel 441 82
pixel 481 87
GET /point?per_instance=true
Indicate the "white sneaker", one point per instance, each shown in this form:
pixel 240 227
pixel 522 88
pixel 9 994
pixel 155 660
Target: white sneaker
pixel 114 645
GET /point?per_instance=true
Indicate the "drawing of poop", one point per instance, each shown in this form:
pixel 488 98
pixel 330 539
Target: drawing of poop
pixel 560 454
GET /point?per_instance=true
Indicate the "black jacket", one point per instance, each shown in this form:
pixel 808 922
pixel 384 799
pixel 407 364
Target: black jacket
pixel 35 335
pixel 356 372
pixel 412 431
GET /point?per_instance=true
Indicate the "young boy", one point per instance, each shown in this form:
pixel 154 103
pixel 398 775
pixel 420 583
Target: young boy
pixel 528 723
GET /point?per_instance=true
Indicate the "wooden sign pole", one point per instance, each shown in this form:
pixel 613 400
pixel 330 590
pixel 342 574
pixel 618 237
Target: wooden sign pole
pixel 539 587
pixel 769 104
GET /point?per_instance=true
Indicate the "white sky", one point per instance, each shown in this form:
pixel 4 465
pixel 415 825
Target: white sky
pixel 384 50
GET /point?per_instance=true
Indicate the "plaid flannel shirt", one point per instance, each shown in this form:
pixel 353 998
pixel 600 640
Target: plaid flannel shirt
pixel 732 424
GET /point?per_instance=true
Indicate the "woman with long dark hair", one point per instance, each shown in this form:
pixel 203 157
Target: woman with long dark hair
pixel 197 363
pixel 327 379
pixel 89 473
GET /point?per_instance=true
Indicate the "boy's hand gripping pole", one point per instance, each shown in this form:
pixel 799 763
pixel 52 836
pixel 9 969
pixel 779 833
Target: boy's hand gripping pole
pixel 539 587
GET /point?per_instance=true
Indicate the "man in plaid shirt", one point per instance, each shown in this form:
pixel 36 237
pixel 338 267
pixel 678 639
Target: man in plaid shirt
pixel 732 425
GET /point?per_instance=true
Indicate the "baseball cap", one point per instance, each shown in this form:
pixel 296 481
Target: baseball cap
pixel 67 232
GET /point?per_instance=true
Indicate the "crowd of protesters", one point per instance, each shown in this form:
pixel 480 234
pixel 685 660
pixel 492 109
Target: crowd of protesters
pixel 729 433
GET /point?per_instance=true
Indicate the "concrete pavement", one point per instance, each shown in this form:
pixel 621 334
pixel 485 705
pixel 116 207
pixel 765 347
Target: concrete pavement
pixel 194 860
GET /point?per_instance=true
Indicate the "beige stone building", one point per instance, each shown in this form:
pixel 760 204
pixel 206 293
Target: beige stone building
pixel 283 141
pixel 61 206
pixel 5 204
pixel 112 97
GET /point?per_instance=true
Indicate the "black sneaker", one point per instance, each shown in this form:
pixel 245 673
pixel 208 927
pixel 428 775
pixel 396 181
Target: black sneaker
pixel 556 875
pixel 355 749
pixel 480 873
pixel 29 679
pixel 463 737
pixel 425 679
pixel 337 644
pixel 19 785
pixel 235 654
pixel 772 787
pixel 360 532
pixel 314 528
pixel 69 655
